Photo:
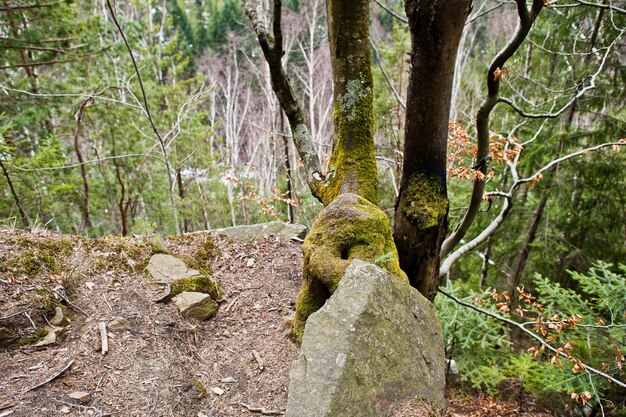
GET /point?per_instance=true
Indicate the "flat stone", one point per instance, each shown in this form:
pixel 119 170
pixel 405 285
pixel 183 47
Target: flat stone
pixel 118 324
pixel 50 338
pixel 80 396
pixel 196 305
pixel 256 232
pixel 167 269
pixel 59 318
pixel 375 343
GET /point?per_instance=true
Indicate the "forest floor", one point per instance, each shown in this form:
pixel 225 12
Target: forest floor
pixel 236 364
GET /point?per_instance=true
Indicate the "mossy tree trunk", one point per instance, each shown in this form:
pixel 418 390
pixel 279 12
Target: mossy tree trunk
pixel 352 225
pixel 422 207
pixel 352 167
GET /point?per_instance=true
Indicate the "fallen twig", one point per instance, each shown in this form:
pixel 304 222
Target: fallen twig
pixel 232 304
pixel 263 411
pixel 258 359
pixel 13 315
pixel 104 337
pixel 52 378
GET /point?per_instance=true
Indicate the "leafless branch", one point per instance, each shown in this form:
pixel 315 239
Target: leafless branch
pixel 168 166
pixel 389 83
pixel 526 19
pixel 273 52
pixel 391 12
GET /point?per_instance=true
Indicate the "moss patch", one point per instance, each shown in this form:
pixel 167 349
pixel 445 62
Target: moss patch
pixel 203 284
pixel 349 228
pixel 36 256
pixel 425 205
pixel 198 251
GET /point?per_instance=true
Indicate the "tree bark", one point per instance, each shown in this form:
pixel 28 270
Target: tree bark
pixel 422 206
pixel 352 166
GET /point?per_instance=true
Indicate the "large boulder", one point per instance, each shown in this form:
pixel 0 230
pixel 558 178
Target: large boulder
pixel 376 342
pixel 255 232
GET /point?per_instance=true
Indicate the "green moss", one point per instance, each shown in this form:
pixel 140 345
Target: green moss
pixel 349 228
pixel 198 250
pixel 36 256
pixel 118 250
pixel 203 284
pixel 425 204
pixel 44 301
pixel 31 338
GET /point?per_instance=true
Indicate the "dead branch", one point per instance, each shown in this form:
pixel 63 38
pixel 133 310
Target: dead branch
pixel 261 410
pixel 52 378
pixel 104 337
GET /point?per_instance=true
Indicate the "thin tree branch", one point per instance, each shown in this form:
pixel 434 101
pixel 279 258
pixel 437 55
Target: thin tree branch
pixel 92 161
pixel 391 12
pixel 168 166
pixel 569 156
pixel 382 69
pixel 526 19
pixel 29 6
pixel 273 52
pixel 23 214
pixel 580 93
pixel 508 204
pixel 61 95
pixel 590 4
pixel 533 335
pixel 36 64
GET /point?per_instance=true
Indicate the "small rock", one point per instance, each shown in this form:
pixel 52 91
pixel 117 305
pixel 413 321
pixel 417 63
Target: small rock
pixel 59 318
pixel 164 393
pixel 217 391
pixel 81 396
pixel 196 305
pixel 167 268
pixel 65 409
pixel 119 323
pixel 50 338
pixel 90 285
pixel 250 262
pixel 228 380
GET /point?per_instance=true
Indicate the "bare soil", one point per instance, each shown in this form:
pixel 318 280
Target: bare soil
pixel 236 364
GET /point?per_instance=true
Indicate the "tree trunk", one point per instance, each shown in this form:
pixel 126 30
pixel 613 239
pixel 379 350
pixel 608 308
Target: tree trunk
pixel 422 206
pixel 352 225
pixel 352 166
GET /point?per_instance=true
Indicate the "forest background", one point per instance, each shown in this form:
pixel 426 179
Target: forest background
pixel 78 153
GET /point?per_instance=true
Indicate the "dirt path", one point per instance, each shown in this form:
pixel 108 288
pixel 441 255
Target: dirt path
pixel 236 364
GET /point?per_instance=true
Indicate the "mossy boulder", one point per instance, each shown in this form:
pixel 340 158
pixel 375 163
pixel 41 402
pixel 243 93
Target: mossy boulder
pixel 350 228
pixel 167 269
pixel 196 305
pixel 201 283
pixel 375 343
